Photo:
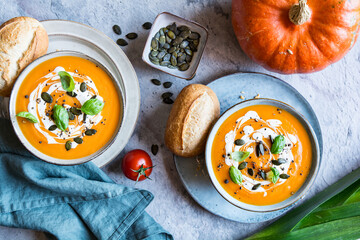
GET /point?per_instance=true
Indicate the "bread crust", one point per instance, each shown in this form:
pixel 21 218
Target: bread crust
pixel 187 129
pixel 11 33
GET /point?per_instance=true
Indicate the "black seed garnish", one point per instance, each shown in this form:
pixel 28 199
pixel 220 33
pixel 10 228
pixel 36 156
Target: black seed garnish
pixel 121 42
pixel 284 176
pixel 52 128
pixel 68 145
pixel 71 94
pixel 168 101
pixel 46 97
pixel 167 84
pixel 154 149
pixel 147 25
pixel 156 82
pixel 78 140
pixel 83 87
pixel 131 35
pixel 239 142
pixel 117 29
pixel 167 95
pixel 250 171
pixel 242 165
pixel 256 186
pixel 93 97
pixel 90 132
pixel 226 181
pixel 26 96
pixel 75 111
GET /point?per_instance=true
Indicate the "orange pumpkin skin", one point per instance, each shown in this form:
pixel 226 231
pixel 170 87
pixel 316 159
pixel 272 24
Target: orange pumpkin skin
pixel 266 34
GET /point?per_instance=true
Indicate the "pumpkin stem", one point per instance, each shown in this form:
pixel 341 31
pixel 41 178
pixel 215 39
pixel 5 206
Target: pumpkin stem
pixel 299 13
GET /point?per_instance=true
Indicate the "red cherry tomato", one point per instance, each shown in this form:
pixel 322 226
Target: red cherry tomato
pixel 137 165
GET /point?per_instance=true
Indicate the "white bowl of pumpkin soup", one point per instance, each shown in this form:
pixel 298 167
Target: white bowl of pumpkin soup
pixel 66 108
pixel 262 155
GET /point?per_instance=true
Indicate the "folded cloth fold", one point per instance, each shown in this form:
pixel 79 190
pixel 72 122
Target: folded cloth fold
pixel 68 202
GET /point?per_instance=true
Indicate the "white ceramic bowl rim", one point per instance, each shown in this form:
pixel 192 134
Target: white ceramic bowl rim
pixel 303 189
pixel 13 118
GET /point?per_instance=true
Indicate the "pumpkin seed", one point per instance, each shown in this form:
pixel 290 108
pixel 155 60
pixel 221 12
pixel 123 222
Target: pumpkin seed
pixel 177 41
pixel 172 67
pixel 68 145
pixel 78 140
pixel 121 42
pixel 250 171
pixel 171 34
pixel 83 87
pixel 162 41
pixel 166 46
pixel 194 35
pixel 192 47
pixel 156 82
pixel 167 84
pixel 154 53
pixel 52 128
pixel 262 174
pixel 147 25
pixel 184 67
pixel 239 142
pixel 184 44
pixel 157 36
pixel 168 101
pixel 154 149
pixel 46 97
pixel 71 115
pixel 195 42
pixel 154 44
pixel 131 35
pixel 260 149
pixel 284 176
pixel 188 58
pixel 279 161
pixel 168 39
pixel 167 57
pixel 161 31
pixel 167 95
pixel 90 132
pixel 173 59
pixel 75 111
pixel 256 186
pixel 93 97
pixel 164 63
pixel 185 34
pixel 188 51
pixel 181 58
pixel 172 27
pixel 242 165
pixel 183 28
pixel 161 55
pixel 117 29
pixel 84 118
pixel 156 62
pixel 71 94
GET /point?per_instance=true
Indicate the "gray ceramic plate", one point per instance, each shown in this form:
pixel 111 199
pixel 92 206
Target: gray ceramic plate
pixel 193 172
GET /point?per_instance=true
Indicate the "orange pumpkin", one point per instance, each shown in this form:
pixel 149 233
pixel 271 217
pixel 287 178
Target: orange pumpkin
pixel 296 36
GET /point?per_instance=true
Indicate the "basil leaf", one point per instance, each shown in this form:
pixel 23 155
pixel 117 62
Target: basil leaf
pixel 61 117
pixel 28 116
pixel 239 156
pixel 278 144
pixel 273 175
pixel 92 106
pixel 235 175
pixel 67 81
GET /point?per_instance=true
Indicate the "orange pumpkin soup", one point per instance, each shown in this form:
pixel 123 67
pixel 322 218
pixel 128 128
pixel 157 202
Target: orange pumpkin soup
pixel 43 95
pixel 261 155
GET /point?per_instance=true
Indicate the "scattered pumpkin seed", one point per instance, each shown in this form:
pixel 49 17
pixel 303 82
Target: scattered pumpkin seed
pixel 256 186
pixel 154 149
pixel 75 111
pixel 78 140
pixel 260 149
pixel 52 128
pixel 167 84
pixel 168 101
pixel 117 29
pixel 156 82
pixel 93 97
pixel 131 36
pixel 122 42
pixel 83 87
pixel 84 117
pixel 239 142
pixel 71 115
pixel 71 94
pixel 250 171
pixel 167 95
pixel 262 174
pixel 68 145
pixel 46 97
pixel 147 25
pixel 90 132
pixel 279 161
pixel 284 176
pixel 242 165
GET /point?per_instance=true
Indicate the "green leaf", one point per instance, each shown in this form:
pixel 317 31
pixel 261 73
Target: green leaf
pixel 28 116
pixel 67 81
pixel 239 156
pixel 61 117
pixel 92 106
pixel 278 144
pixel 273 175
pixel 235 175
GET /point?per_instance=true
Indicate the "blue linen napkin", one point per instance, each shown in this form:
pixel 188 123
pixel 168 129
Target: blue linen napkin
pixel 68 202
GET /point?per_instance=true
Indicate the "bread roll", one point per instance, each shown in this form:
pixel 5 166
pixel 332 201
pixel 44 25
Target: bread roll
pixel 22 40
pixel 194 112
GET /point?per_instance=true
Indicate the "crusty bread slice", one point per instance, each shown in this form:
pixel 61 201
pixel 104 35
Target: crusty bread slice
pixel 194 112
pixel 22 40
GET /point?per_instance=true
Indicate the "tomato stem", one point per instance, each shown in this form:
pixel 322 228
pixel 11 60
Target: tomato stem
pixel 141 172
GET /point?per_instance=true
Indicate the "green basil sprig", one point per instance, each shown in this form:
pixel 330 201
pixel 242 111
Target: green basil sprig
pixel 273 175
pixel 92 106
pixel 235 175
pixel 67 81
pixel 239 156
pixel 61 117
pixel 278 144
pixel 28 116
